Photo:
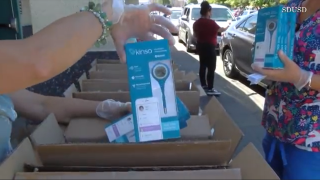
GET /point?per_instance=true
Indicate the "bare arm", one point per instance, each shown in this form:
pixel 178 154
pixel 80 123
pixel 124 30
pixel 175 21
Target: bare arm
pixel 47 53
pixel 37 107
pixel 222 29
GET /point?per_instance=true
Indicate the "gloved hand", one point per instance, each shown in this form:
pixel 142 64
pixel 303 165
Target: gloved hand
pixel 113 110
pixel 291 72
pixel 135 21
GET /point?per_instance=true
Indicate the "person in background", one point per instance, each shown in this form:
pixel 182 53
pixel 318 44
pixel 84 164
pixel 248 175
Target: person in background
pixel 57 47
pixel 291 114
pixel 236 13
pixel 206 32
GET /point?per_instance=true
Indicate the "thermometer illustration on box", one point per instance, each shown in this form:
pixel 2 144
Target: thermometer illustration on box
pixel 160 73
pixel 271 27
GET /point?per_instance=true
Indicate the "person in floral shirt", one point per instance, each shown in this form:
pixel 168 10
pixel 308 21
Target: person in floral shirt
pixel 291 113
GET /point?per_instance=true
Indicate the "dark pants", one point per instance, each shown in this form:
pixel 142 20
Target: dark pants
pixel 290 162
pixel 208 60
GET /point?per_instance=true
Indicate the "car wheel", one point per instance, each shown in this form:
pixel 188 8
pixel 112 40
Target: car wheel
pixel 188 49
pixel 229 67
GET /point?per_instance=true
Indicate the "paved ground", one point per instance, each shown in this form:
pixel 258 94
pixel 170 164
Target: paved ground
pixel 243 102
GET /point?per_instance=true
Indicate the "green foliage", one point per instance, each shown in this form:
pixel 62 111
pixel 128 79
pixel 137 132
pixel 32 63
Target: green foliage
pixel 254 3
pixel 164 2
pixel 193 1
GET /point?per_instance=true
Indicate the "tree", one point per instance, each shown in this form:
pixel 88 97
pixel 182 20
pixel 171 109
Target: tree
pixel 193 1
pixel 283 1
pixel 238 3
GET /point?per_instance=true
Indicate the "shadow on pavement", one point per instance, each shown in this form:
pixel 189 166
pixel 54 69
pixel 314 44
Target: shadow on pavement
pixel 244 112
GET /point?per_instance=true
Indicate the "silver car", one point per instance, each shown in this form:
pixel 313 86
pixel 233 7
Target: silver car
pixel 175 18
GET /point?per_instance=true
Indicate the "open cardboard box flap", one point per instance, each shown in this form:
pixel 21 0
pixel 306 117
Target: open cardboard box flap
pixel 200 174
pixel 249 161
pixel 199 127
pixel 49 142
pixel 107 85
pixel 107 61
pixel 217 151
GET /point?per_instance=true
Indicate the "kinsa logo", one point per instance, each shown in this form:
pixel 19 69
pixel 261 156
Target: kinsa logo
pixel 140 51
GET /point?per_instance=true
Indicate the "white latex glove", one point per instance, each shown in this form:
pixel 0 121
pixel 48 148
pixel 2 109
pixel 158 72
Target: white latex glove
pixel 291 72
pixel 135 21
pixel 113 110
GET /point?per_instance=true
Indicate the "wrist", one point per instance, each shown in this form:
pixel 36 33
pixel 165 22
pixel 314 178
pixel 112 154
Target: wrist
pixel 107 8
pixel 114 10
pixel 304 79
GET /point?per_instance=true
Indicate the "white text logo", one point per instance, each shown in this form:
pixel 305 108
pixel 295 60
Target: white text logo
pixel 140 51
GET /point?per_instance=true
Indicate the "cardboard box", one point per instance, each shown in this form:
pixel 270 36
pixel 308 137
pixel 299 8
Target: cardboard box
pixel 107 61
pixel 122 131
pixel 198 127
pixel 215 121
pixel 198 156
pixel 105 85
pixel 200 159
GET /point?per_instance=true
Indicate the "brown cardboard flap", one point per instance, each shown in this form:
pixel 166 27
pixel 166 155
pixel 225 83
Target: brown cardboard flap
pixel 68 93
pixel 82 77
pixel 105 81
pixel 108 75
pixel 180 153
pixel 112 67
pixel 189 98
pixel 48 132
pixel 93 128
pixel 108 61
pixel 105 85
pixel 179 75
pixel 224 126
pixel 198 128
pixel 200 174
pixel 15 162
pixel 190 77
pixel 252 164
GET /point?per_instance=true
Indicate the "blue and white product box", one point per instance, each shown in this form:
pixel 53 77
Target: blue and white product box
pixel 152 91
pixel 121 131
pixel 275 31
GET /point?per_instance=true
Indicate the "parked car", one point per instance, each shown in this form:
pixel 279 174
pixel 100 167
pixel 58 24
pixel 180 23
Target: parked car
pixel 236 48
pixel 245 13
pixel 221 14
pixel 175 16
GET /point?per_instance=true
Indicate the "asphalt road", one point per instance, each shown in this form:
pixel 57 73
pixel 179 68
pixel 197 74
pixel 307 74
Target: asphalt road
pixel 243 102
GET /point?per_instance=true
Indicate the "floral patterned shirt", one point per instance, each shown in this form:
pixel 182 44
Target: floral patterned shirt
pixel 290 115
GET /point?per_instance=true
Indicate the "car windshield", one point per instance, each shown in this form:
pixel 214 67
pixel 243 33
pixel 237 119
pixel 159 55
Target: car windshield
pixel 218 14
pixel 175 14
